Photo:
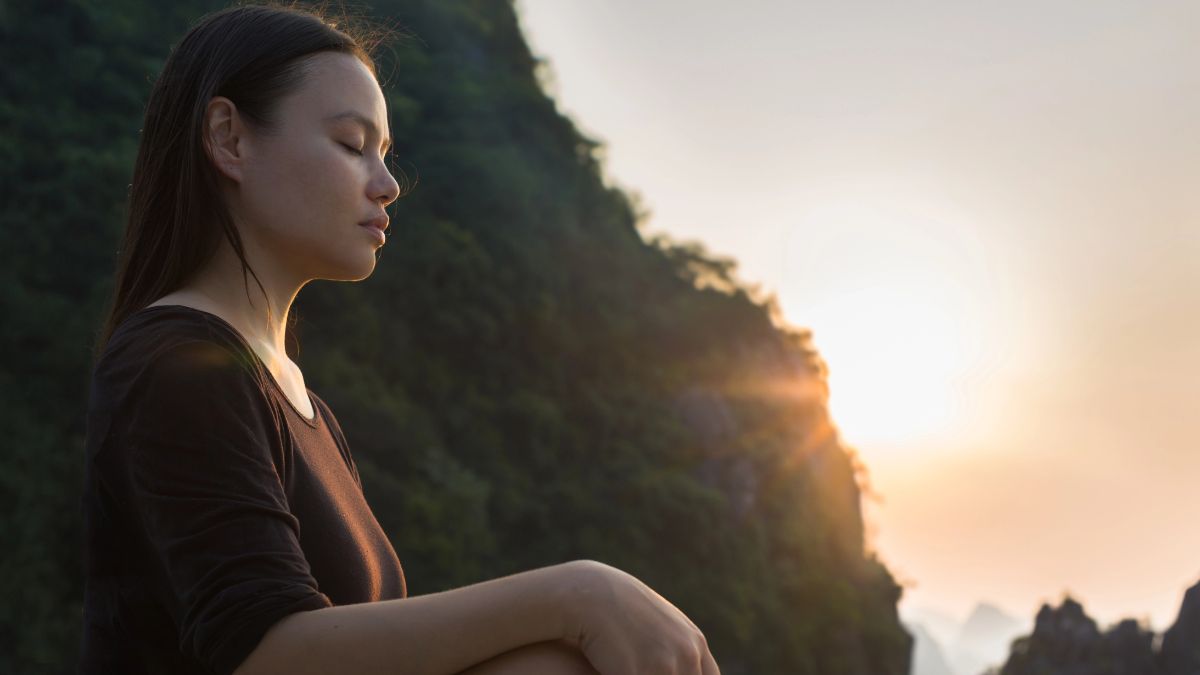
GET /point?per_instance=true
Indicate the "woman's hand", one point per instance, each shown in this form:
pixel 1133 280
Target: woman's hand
pixel 624 628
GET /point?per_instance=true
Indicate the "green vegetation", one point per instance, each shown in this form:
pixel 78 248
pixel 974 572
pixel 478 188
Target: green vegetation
pixel 525 379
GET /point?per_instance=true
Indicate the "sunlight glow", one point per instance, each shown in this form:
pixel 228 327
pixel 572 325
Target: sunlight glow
pixel 898 308
pixel 893 355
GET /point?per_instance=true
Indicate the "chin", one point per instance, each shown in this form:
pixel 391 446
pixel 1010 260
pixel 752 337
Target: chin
pixel 363 272
pixel 354 267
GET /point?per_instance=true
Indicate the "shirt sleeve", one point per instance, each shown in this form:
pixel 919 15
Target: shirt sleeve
pixel 198 456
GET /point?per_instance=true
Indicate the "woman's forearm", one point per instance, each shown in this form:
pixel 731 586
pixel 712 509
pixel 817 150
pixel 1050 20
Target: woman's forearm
pixel 436 634
pixel 558 657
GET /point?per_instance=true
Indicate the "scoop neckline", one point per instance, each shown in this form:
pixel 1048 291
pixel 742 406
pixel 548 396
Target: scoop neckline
pixel 313 422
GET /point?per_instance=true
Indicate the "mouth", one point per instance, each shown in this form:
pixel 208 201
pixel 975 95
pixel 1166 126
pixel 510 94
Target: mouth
pixel 379 222
pixel 376 226
pixel 375 231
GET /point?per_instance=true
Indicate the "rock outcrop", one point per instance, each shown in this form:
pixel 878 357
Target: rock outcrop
pixel 1066 641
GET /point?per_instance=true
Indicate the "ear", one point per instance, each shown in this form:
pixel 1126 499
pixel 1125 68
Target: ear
pixel 225 137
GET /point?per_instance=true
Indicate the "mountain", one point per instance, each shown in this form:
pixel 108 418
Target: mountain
pixel 528 377
pixel 928 656
pixel 984 639
pixel 1180 646
pixel 944 644
pixel 1066 641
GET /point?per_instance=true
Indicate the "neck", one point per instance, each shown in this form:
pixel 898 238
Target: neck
pixel 260 315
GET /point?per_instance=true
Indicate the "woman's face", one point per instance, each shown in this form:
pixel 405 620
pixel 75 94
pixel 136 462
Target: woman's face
pixel 305 187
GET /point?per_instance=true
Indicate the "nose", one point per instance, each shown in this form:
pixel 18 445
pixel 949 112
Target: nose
pixel 385 188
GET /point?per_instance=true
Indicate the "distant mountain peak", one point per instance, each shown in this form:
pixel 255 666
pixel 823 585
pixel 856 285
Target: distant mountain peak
pixel 986 613
pixel 985 622
pixel 961 647
pixel 928 653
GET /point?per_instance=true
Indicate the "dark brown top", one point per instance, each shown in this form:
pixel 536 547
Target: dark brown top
pixel 212 507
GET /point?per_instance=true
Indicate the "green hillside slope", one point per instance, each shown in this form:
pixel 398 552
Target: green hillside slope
pixel 525 379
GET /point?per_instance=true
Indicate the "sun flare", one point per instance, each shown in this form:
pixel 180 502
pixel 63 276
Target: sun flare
pixel 898 318
pixel 893 358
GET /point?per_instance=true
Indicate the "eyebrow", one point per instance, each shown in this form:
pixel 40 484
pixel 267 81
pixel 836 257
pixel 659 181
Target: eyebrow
pixel 363 120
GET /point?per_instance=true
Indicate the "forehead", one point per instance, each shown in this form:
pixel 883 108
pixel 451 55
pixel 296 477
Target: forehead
pixel 334 83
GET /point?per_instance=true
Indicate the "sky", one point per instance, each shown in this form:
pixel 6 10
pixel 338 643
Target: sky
pixel 988 215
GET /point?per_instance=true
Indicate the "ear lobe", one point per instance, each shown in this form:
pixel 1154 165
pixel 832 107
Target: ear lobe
pixel 223 137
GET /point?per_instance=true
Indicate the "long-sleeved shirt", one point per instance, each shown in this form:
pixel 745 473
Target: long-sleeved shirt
pixel 212 506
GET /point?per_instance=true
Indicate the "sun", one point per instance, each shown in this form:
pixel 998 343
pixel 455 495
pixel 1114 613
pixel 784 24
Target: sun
pixel 893 356
pixel 900 311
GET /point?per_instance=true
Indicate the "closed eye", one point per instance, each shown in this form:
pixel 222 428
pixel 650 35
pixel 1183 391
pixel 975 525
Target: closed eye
pixel 356 151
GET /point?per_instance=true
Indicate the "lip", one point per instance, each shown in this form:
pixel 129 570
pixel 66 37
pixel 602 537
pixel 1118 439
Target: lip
pixel 376 226
pixel 379 222
pixel 375 232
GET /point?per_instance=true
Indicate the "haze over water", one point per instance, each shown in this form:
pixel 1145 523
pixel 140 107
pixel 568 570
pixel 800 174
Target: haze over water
pixel 989 216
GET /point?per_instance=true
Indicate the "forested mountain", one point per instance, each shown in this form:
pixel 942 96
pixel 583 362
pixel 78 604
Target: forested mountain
pixel 527 378
pixel 1066 641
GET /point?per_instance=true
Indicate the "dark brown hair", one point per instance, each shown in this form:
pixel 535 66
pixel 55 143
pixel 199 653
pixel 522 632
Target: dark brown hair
pixel 255 56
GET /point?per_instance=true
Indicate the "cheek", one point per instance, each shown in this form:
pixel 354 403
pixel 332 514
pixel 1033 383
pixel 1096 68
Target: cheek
pixel 304 189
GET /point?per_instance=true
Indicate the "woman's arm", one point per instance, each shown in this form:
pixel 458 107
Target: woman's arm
pixel 436 634
pixel 558 657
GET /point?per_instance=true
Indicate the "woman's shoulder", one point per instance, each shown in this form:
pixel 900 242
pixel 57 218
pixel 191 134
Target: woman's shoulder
pixel 182 342
pixel 147 335
pixel 170 355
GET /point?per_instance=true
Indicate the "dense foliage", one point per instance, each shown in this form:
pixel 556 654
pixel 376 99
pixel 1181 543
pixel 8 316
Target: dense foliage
pixel 525 379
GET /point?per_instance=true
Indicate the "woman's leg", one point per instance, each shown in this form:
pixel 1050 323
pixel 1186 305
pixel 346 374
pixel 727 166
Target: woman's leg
pixel 542 658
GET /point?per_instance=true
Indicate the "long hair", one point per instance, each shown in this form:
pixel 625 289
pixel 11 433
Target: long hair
pixel 176 216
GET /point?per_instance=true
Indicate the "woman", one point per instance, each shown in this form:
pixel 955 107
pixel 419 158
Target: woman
pixel 225 521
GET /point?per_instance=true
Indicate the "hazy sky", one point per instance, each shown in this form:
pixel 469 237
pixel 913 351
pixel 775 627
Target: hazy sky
pixel 989 215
